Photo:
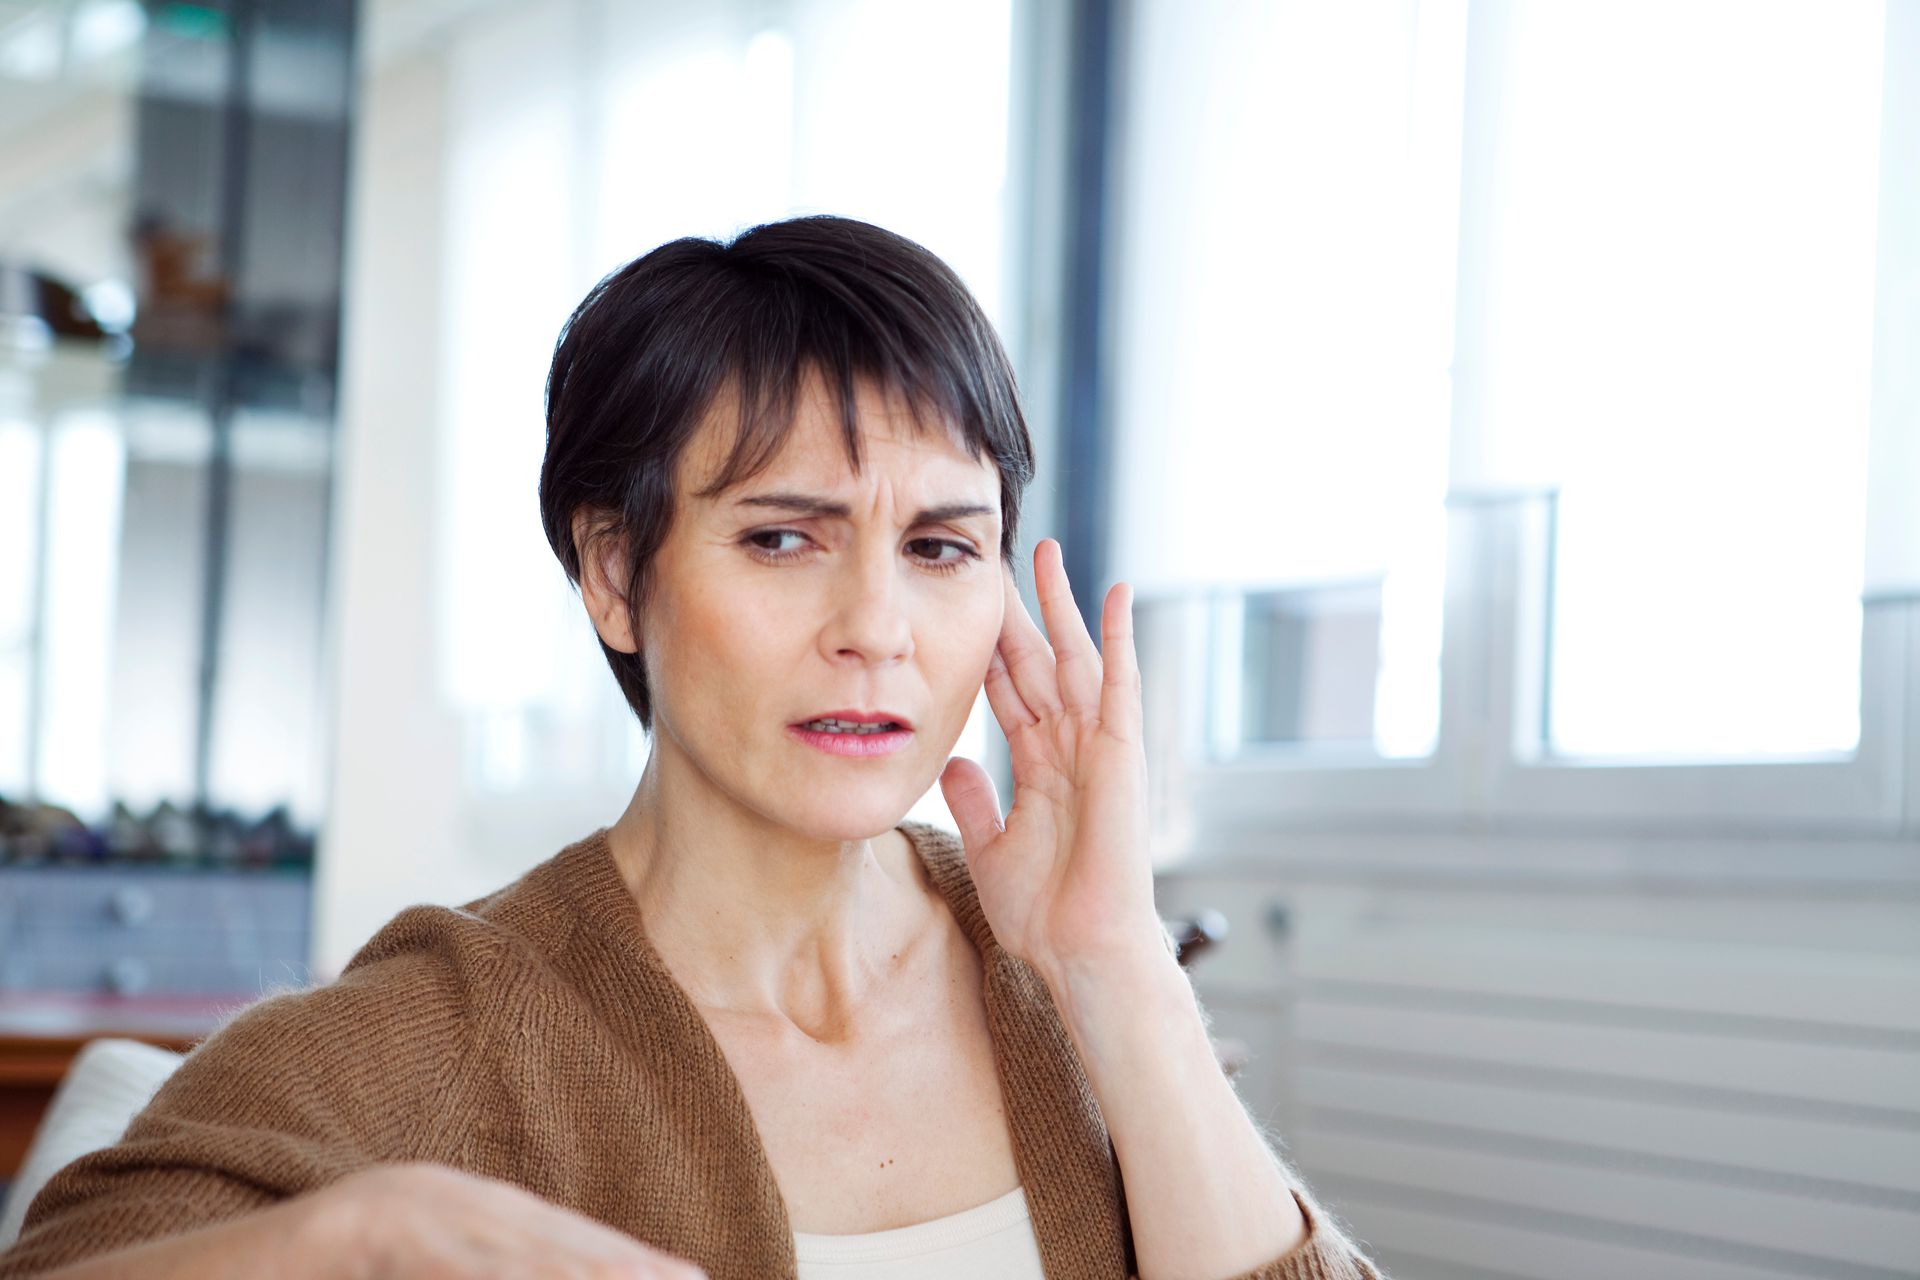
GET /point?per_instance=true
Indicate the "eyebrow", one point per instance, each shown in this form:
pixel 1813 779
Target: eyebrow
pixel 806 504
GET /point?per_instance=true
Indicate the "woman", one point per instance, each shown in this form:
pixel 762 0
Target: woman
pixel 759 1025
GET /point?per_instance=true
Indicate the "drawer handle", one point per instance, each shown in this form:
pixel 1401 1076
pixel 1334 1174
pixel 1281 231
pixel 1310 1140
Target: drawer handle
pixel 127 976
pixel 1196 933
pixel 130 904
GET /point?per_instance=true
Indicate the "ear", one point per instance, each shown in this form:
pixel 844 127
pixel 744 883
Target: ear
pixel 602 548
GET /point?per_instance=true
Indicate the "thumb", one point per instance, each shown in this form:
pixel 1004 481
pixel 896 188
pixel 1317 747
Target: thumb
pixel 973 801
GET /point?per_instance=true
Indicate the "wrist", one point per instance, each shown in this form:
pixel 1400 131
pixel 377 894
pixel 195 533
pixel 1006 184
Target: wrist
pixel 1135 990
pixel 1128 955
pixel 336 1237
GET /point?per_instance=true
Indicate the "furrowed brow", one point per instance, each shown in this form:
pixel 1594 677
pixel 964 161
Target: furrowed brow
pixel 806 504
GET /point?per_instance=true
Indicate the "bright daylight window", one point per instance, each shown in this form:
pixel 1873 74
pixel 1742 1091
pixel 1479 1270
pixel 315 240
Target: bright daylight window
pixel 1284 328
pixel 1667 298
pixel 1680 306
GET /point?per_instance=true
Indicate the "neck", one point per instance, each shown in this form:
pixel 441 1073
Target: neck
pixel 760 921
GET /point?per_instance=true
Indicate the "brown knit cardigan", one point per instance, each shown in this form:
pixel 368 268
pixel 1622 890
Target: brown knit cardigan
pixel 535 1035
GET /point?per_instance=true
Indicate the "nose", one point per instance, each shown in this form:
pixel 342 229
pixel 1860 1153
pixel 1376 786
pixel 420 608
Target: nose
pixel 871 623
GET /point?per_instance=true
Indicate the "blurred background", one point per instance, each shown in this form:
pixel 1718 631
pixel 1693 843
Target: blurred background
pixel 1506 412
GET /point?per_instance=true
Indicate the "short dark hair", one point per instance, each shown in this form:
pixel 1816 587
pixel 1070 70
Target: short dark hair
pixel 643 358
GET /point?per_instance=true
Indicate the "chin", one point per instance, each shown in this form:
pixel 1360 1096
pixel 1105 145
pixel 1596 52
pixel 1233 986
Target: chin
pixel 848 816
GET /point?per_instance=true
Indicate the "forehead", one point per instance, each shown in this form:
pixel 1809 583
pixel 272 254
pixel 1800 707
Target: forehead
pixel 812 448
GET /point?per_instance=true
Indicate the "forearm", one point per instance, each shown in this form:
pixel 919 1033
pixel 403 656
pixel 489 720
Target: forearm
pixel 300 1239
pixel 1206 1196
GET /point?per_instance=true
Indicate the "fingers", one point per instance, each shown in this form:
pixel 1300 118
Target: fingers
pixel 1032 678
pixel 1120 685
pixel 1028 658
pixel 1008 707
pixel 437 1220
pixel 974 802
pixel 1076 661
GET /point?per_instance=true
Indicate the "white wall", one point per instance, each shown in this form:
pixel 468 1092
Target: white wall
pixel 389 837
pixel 507 154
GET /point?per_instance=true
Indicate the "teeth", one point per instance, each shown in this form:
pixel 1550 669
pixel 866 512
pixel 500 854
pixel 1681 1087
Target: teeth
pixel 846 726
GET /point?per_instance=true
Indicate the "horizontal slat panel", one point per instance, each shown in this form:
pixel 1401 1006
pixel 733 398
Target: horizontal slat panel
pixel 1399 1263
pixel 1865 1236
pixel 1562 1081
pixel 1877 925
pixel 1494 1248
pixel 1845 920
pixel 1505 857
pixel 1793 1148
pixel 1842 1074
pixel 1763 983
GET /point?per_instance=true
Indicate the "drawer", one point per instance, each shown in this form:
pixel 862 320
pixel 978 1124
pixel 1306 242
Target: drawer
pixel 131 899
pixel 149 932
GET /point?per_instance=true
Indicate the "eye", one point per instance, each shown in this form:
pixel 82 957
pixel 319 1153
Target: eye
pixel 926 550
pixel 763 552
pixel 966 553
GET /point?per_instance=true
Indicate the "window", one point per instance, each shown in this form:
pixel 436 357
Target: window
pixel 1541 364
pixel 1678 332
pixel 1284 317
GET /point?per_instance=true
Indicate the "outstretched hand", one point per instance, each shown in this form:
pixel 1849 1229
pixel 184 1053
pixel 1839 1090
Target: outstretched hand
pixel 1066 880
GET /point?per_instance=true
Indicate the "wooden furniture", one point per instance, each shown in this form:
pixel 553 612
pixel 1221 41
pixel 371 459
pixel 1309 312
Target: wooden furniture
pixel 152 953
pixel 41 1032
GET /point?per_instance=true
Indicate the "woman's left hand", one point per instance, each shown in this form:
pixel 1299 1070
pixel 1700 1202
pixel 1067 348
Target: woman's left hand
pixel 1066 881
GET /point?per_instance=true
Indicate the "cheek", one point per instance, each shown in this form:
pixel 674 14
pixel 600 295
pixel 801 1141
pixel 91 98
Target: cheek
pixel 957 643
pixel 704 657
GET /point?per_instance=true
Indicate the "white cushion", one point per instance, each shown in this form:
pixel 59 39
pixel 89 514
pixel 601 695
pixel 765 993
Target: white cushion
pixel 109 1083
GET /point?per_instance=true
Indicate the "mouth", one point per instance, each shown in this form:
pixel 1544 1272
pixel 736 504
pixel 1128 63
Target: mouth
pixel 856 722
pixel 858 734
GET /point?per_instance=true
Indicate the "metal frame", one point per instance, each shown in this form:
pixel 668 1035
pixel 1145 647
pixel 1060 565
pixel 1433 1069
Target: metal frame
pixel 1086 452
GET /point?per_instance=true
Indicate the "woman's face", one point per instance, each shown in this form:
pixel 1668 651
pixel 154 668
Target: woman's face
pixel 808 590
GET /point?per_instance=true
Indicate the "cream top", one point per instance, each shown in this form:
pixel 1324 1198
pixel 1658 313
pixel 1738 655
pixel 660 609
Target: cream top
pixel 993 1239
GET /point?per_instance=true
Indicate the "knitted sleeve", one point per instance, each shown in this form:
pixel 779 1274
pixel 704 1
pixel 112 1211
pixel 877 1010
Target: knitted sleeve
pixel 1325 1254
pixel 293 1092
